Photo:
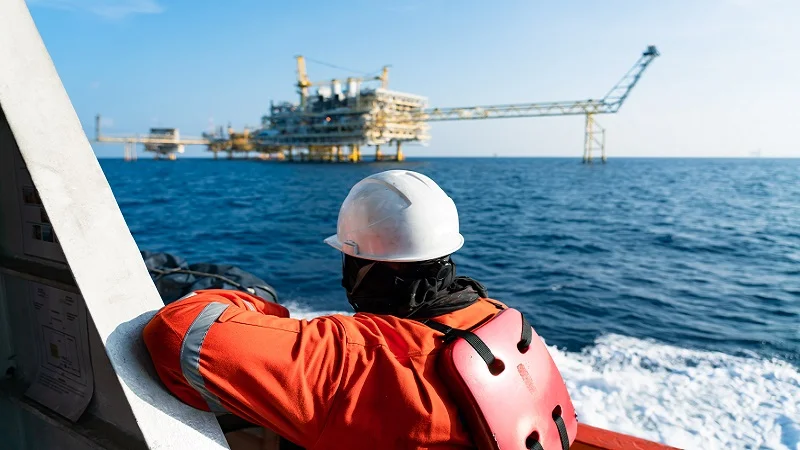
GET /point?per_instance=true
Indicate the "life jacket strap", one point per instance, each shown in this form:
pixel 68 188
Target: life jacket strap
pixel 526 338
pixel 562 433
pixel 450 334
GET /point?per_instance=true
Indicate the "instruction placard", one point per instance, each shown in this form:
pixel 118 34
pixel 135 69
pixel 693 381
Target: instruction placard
pixel 38 237
pixel 64 381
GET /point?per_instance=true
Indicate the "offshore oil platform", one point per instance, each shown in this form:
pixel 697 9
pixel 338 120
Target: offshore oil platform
pixel 345 117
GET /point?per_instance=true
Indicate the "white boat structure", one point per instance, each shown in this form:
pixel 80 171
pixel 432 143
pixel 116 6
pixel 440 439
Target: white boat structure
pixel 74 291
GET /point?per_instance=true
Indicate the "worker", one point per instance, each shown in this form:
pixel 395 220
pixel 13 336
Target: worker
pixel 366 381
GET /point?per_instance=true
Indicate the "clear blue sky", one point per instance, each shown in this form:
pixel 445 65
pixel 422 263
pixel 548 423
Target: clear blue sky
pixel 725 85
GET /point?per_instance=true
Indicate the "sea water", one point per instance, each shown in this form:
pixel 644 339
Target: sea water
pixel 668 290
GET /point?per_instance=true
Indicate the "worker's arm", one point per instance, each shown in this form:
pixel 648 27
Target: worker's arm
pixel 230 351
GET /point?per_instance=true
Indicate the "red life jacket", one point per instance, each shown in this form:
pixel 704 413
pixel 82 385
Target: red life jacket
pixel 506 385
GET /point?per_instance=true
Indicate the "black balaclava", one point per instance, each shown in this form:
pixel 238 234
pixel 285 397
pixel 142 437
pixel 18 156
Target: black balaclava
pixel 415 290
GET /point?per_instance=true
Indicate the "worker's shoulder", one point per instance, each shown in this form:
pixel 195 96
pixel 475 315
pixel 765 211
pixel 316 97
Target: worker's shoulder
pixel 372 330
pixel 408 336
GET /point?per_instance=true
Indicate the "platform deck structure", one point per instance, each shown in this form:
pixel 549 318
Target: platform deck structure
pixel 326 124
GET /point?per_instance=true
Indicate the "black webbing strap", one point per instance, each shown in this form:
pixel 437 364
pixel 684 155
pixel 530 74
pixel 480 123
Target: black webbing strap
pixel 562 432
pixel 527 334
pixel 472 339
pixel 450 333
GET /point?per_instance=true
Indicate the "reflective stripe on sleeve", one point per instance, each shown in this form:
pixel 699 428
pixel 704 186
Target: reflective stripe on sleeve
pixel 190 294
pixel 190 352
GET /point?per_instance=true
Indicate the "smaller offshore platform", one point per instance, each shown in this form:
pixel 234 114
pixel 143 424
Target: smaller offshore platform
pixel 344 117
pixel 162 142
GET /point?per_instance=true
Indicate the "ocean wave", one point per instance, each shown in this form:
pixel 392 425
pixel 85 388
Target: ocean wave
pixel 685 398
pixel 677 396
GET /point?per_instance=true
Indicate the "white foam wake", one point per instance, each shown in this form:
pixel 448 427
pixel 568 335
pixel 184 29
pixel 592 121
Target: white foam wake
pixel 300 311
pixel 686 398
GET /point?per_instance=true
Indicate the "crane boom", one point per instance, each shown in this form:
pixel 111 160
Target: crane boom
pixel 617 95
pixel 541 109
pixel 609 104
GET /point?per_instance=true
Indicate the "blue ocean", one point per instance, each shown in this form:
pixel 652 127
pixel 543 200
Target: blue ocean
pixel 668 290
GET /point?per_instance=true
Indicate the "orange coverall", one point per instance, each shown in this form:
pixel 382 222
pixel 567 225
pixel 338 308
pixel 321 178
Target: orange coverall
pixel 351 382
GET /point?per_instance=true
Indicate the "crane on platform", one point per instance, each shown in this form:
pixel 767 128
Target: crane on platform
pixel 303 83
pixel 594 139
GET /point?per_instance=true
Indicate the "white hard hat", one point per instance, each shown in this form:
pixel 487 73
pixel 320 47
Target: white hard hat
pixel 397 215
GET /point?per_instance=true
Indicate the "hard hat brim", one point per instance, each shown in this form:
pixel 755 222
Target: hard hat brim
pixel 445 250
pixel 334 242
